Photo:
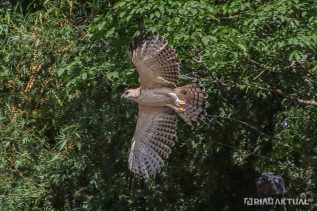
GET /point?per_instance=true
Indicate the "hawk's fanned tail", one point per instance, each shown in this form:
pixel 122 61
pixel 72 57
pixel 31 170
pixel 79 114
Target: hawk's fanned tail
pixel 195 103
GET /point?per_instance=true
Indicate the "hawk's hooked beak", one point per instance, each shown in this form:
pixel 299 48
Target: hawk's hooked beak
pixel 129 94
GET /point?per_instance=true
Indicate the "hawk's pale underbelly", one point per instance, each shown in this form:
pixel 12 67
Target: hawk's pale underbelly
pixel 156 97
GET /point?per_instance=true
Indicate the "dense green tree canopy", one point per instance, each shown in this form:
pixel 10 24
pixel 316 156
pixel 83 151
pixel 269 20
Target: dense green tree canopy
pixel 65 133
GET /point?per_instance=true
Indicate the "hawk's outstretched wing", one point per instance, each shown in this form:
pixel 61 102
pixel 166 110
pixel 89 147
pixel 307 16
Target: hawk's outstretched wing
pixel 156 63
pixel 154 136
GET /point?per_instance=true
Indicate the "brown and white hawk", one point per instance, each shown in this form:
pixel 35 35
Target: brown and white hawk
pixel 159 101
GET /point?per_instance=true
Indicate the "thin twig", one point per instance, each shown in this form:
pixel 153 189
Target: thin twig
pixel 245 124
pixel 256 77
pixel 259 64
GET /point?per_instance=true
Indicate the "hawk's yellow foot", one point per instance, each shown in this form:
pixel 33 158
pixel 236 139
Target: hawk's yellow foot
pixel 181 109
pixel 181 102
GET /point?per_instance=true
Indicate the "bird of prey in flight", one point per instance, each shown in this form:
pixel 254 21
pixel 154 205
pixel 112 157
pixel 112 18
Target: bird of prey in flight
pixel 159 101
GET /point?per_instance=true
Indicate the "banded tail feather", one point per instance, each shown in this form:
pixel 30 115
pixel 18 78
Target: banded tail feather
pixel 195 103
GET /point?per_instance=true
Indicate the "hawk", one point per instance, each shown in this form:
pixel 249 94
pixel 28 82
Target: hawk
pixel 159 102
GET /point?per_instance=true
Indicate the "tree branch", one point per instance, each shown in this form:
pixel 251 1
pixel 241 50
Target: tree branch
pixel 306 102
pixel 311 102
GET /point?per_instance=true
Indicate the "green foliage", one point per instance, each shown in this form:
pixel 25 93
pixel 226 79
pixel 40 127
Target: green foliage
pixel 65 134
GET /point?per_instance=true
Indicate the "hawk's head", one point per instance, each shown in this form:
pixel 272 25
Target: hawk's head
pixel 131 94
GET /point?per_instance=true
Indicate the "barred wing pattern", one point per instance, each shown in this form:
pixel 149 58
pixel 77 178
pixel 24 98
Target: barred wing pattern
pixel 156 63
pixel 153 139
